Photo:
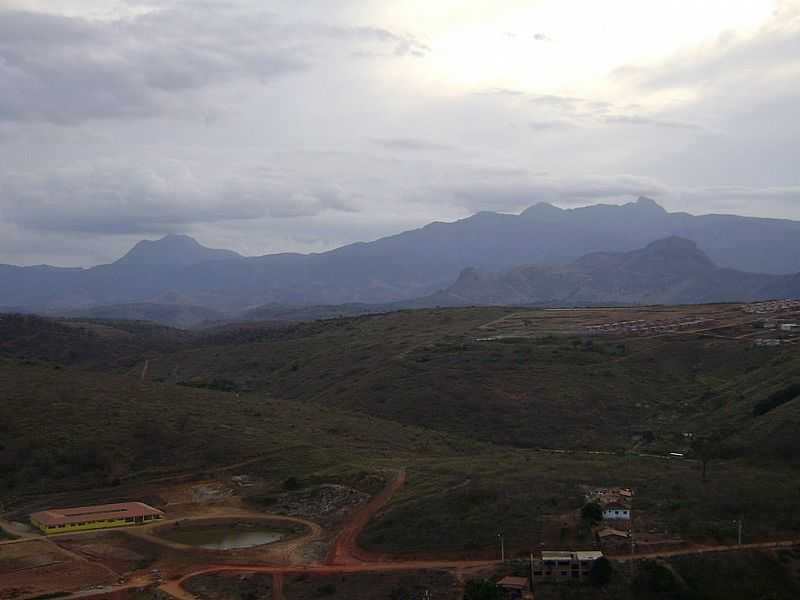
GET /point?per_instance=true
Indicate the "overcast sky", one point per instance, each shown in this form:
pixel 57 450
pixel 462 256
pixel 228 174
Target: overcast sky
pixel 266 126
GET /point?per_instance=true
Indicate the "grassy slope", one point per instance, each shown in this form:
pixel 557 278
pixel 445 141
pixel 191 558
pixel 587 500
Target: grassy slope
pixel 63 427
pixel 413 390
pixel 99 344
pixel 462 502
pixel 424 368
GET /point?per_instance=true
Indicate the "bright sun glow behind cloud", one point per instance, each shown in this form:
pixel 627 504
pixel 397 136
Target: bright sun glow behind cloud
pixel 571 45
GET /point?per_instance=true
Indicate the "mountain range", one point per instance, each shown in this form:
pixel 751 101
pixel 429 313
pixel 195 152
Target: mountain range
pixel 562 243
pixel 668 271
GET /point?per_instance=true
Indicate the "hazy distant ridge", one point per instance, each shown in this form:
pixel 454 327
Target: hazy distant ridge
pixel 669 271
pixel 413 264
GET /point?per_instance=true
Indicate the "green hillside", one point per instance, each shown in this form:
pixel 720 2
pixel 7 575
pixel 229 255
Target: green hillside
pixel 555 391
pixel 467 417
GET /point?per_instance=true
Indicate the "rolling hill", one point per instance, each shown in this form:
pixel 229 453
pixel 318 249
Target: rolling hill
pixel 490 428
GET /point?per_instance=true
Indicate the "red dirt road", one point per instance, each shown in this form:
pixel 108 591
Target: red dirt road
pixel 346 557
pixel 176 589
pixel 706 550
pixel 345 550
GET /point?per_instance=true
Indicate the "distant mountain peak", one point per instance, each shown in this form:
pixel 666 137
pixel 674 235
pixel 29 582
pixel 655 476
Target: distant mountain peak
pixel 677 251
pixel 173 237
pixel 173 251
pixel 541 209
pixel 645 203
pixel 678 247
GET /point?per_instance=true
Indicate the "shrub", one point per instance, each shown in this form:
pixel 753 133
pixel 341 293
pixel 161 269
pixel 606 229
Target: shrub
pixel 482 589
pixel 601 572
pixel 592 512
pixel 776 399
pixel 292 484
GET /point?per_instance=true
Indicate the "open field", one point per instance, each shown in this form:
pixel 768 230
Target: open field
pixel 38 567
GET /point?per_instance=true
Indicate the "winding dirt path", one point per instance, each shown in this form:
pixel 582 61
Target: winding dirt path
pixel 345 550
pixel 176 589
pixel 277 587
pixel 706 550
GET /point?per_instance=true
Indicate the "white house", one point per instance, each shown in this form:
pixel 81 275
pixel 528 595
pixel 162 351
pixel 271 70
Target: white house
pixel 615 512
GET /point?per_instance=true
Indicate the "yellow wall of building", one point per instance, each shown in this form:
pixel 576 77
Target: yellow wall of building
pixel 89 525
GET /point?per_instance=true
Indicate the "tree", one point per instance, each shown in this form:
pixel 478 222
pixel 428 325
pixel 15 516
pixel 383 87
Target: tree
pixel 706 449
pixel 601 572
pixel 482 589
pixel 592 513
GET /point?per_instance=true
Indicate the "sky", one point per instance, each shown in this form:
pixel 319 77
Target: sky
pixel 271 126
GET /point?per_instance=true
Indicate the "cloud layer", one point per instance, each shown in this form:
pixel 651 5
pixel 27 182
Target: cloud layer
pixel 309 125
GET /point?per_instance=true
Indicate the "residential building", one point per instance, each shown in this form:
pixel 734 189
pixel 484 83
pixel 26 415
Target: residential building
pixel 616 512
pixel 614 502
pixel 561 566
pixel 614 539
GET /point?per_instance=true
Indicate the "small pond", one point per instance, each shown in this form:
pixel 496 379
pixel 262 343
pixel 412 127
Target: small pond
pixel 224 536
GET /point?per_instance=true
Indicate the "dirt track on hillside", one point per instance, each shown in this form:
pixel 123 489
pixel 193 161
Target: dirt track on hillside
pixel 345 550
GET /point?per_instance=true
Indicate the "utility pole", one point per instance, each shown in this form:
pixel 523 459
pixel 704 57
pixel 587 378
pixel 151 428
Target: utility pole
pixel 532 576
pixel 739 530
pixel 501 538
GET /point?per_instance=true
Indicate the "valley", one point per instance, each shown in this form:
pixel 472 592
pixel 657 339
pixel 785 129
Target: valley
pixel 496 417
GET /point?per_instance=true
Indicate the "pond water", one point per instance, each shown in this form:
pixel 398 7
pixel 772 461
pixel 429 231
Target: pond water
pixel 223 537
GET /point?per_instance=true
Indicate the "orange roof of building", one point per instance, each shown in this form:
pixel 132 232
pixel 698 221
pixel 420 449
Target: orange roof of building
pixel 513 582
pixel 611 532
pixel 101 512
